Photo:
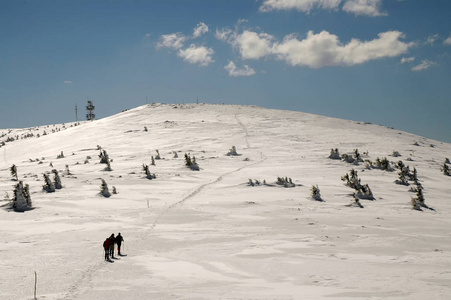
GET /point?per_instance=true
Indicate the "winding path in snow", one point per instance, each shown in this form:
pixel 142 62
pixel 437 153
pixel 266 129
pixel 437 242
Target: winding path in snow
pixel 85 279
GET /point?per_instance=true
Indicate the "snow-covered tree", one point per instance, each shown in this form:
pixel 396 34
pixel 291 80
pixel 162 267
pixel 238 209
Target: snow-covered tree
pixel 152 161
pixel 13 171
pixel 57 180
pixel 104 189
pixel 445 169
pixel 49 187
pixel 104 158
pixel 158 155
pixel 22 199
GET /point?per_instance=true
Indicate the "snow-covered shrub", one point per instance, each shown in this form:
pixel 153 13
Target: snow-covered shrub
pixel 114 190
pixel 232 152
pixel 104 158
pixel 396 154
pixel 67 170
pixel 148 174
pixel 22 200
pixel 61 155
pixel 152 161
pixel 13 171
pixel 447 161
pixel 175 154
pixel 250 182
pixel 404 173
pixel 316 193
pixel 361 191
pixel 191 162
pixel 158 155
pixel 286 182
pixel 104 189
pixel 445 169
pixel 145 128
pixel 381 164
pixel 49 187
pixel 57 180
pixel 334 154
pixel 108 166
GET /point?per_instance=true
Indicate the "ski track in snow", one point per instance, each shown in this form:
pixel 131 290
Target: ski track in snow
pixel 85 279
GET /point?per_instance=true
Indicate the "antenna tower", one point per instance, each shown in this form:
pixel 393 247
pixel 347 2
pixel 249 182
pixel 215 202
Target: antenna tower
pixel 90 108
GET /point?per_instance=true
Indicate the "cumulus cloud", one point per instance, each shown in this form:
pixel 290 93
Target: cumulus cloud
pixel 234 71
pixel 447 41
pixel 407 59
pixel 425 64
pixel 197 55
pixel 67 82
pixel 316 50
pixel 324 49
pixel 200 29
pixel 301 5
pixel 364 7
pixel 252 45
pixel 172 40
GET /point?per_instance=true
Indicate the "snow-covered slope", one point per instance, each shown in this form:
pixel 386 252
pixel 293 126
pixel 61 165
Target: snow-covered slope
pixel 208 234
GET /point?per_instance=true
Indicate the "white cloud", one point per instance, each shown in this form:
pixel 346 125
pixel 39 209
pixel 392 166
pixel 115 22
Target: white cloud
pixel 364 7
pixel 252 45
pixel 234 71
pixel 316 50
pixel 197 55
pixel 224 34
pixel 172 40
pixel 425 64
pixel 407 59
pixel 200 29
pixel 432 39
pixel 301 5
pixel 324 49
pixel 67 82
pixel 447 41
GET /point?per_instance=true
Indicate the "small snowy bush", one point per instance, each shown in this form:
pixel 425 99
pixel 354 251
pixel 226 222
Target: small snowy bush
pixel 191 162
pixel 104 158
pixel 13 171
pixel 232 152
pixel 148 174
pixel 445 169
pixel 286 182
pixel 334 154
pixel 104 189
pixel 316 193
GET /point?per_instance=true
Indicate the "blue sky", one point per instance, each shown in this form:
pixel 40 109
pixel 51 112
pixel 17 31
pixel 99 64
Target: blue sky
pixel 386 62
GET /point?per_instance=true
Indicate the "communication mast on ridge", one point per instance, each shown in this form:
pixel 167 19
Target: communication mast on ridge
pixel 90 108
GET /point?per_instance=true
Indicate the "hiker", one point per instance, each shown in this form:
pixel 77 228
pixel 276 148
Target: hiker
pixel 112 241
pixel 106 247
pixel 119 240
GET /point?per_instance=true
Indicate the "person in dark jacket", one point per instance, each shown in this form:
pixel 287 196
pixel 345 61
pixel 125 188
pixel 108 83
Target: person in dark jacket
pixel 112 242
pixel 106 247
pixel 119 240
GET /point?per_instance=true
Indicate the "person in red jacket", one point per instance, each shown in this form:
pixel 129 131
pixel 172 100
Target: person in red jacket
pixel 106 247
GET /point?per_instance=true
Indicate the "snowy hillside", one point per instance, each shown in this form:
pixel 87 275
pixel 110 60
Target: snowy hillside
pixel 209 234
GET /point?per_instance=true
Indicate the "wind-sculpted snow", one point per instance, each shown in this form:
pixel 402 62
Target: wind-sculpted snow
pixel 209 234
